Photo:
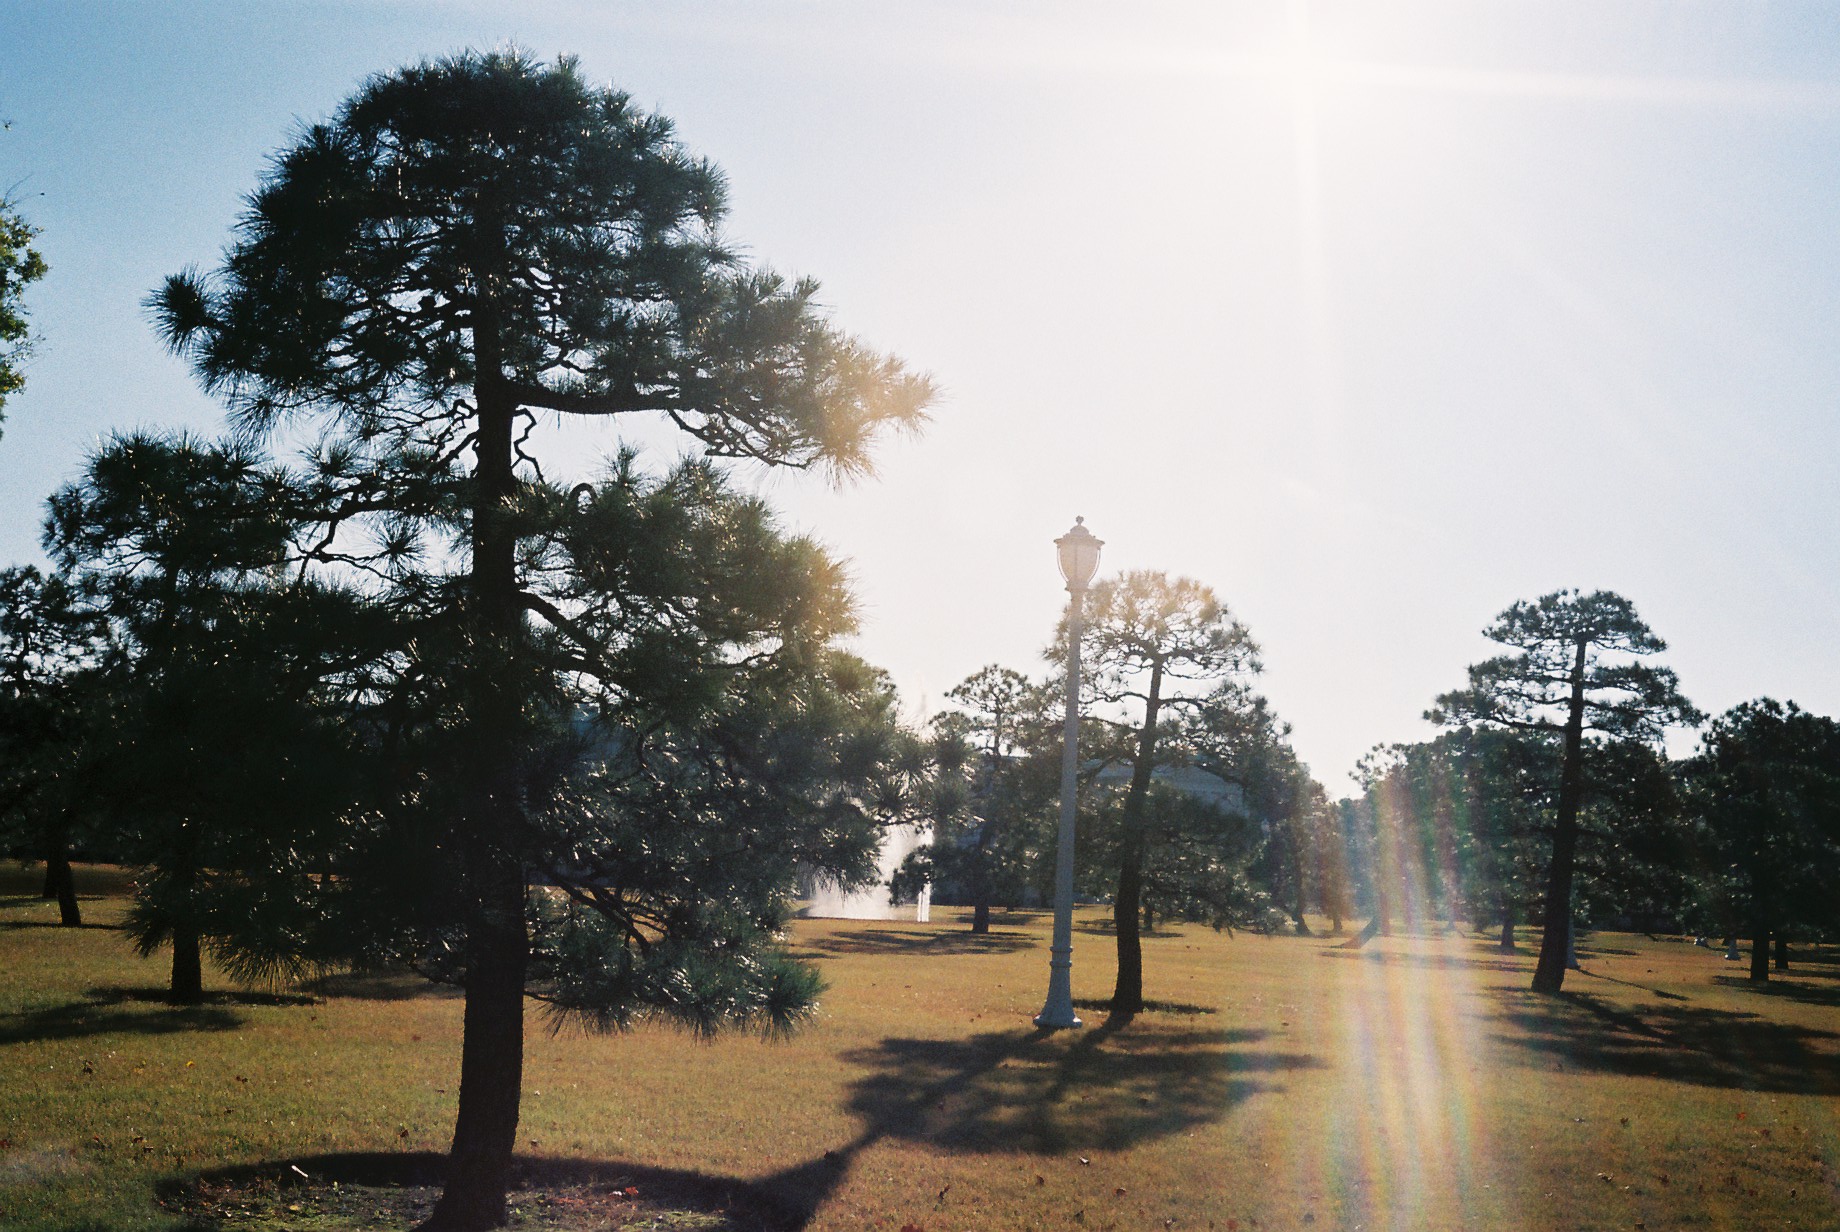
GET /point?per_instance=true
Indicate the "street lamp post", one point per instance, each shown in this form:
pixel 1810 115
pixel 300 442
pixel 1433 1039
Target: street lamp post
pixel 1079 559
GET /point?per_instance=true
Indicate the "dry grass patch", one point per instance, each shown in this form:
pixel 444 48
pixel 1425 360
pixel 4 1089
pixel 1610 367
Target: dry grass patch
pixel 1279 1083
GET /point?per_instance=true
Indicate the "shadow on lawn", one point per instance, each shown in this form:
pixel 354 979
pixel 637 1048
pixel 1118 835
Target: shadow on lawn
pixel 1654 992
pixel 380 986
pixel 1701 1046
pixel 745 1204
pixel 1429 962
pixel 902 941
pixel 1043 1092
pixel 1784 986
pixel 84 1019
pixel 105 1011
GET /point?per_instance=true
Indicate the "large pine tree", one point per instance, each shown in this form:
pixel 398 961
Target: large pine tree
pixel 466 246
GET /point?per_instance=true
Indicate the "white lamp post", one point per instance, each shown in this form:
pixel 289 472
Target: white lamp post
pixel 1079 557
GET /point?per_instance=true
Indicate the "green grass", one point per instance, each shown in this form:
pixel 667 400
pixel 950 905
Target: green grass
pixel 1281 1083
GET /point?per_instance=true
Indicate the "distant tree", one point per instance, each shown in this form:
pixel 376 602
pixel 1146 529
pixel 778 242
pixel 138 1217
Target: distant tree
pixel 1764 790
pixel 1236 738
pixel 50 651
pixel 20 265
pixel 469 245
pixel 992 794
pixel 1157 649
pixel 1470 809
pixel 1574 669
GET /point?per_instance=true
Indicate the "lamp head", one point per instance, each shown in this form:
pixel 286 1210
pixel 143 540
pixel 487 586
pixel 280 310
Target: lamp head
pixel 1079 555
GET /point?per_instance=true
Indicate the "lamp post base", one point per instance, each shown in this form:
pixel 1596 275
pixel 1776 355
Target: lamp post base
pixel 1057 1014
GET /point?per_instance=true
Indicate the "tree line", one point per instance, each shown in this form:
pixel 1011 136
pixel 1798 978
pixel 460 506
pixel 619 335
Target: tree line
pixel 1548 796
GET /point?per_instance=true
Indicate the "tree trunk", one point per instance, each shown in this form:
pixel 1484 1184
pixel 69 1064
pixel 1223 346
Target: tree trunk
pixel 1364 936
pixel 1555 942
pixel 492 1042
pixel 1782 952
pixel 1128 992
pixel 1297 899
pixel 491 1064
pixel 187 987
pixel 1507 928
pixel 980 888
pixel 60 884
pixel 1149 919
pixel 1760 955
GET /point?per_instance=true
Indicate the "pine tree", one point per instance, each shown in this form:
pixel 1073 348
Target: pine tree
pixel 1574 671
pixel 1157 648
pixel 1764 790
pixel 466 246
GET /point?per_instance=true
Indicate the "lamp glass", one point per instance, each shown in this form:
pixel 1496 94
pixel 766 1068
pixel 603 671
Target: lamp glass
pixel 1079 555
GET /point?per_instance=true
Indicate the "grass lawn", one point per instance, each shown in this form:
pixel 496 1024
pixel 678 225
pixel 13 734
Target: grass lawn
pixel 1280 1084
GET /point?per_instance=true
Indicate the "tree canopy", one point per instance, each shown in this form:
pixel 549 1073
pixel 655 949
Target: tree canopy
pixel 20 265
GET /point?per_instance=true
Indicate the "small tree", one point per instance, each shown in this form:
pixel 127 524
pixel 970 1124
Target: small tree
pixel 1574 669
pixel 1158 649
pixel 211 753
pixel 1764 791
pixel 992 794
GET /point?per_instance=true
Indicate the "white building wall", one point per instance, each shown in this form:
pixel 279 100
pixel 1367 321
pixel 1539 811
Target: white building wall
pixel 827 901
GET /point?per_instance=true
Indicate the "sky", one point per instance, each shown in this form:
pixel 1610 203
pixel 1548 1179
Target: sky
pixel 1375 317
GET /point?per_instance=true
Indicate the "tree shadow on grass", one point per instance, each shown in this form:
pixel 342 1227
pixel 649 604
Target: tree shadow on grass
pixel 1653 992
pixel 106 1015
pixel 1784 986
pixel 1428 962
pixel 379 986
pixel 741 1203
pixel 905 941
pixel 1150 1007
pixel 1729 1049
pixel 1043 1092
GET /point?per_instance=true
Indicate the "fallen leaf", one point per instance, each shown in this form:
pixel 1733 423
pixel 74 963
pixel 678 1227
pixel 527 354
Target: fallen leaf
pixel 1118 1192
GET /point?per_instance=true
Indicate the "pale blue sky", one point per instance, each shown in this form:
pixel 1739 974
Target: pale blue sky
pixel 1374 316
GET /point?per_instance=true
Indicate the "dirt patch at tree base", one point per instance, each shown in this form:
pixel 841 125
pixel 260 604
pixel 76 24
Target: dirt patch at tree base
pixel 389 1193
